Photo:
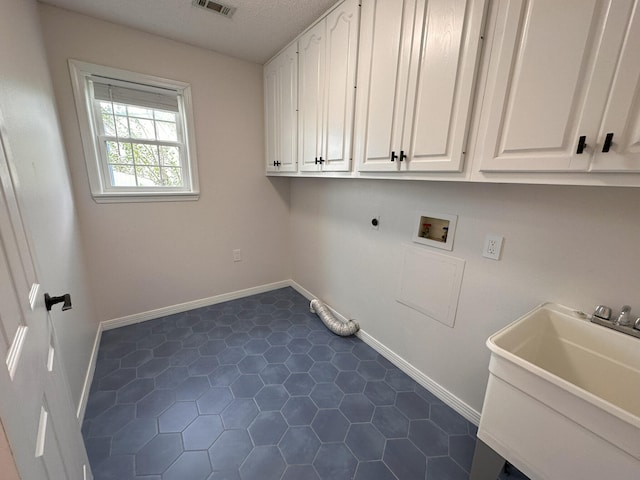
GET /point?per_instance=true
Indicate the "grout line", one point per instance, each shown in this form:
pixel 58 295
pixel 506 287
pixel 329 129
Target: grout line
pixel 156 313
pixel 422 379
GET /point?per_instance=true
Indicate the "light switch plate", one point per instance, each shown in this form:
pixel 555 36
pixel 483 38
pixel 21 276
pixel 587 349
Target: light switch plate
pixel 492 247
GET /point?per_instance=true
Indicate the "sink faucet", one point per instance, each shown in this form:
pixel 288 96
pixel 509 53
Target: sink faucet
pixel 603 312
pixel 624 323
pixel 624 319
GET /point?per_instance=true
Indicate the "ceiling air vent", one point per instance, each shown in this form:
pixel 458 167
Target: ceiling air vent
pixel 215 7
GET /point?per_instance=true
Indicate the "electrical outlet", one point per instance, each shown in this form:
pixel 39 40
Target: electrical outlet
pixel 237 255
pixel 492 247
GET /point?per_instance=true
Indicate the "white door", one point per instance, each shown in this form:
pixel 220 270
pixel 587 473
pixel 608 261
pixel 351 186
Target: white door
pixel 35 404
pixel 550 67
pixel 444 59
pixel 339 95
pixel 386 33
pixel 621 123
pixel 311 58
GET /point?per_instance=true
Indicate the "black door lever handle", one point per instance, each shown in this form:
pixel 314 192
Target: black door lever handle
pixel 50 301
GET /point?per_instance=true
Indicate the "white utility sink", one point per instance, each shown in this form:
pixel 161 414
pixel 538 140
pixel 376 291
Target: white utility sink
pixel 563 398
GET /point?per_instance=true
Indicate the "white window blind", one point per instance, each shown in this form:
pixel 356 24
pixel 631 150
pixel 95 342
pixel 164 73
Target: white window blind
pixel 132 94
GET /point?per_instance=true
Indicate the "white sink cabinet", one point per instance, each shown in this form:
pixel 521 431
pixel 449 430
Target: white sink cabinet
pixel 563 397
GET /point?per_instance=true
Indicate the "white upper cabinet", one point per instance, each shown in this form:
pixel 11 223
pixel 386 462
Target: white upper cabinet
pixel 327 66
pixel 621 121
pixel 555 71
pixel 311 49
pixel 281 103
pixel 383 64
pixel 441 89
pixel 340 81
pixel 416 71
pixel 270 79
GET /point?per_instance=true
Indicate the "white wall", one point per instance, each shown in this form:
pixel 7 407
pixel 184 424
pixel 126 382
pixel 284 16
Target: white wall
pixel 30 126
pixel 151 255
pixel 576 246
pixel 7 463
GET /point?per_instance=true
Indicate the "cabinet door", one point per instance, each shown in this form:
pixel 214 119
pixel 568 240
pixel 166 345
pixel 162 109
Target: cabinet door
pixel 311 57
pixel 386 32
pixel 442 75
pixel 622 115
pixel 339 95
pixel 271 117
pixel 288 104
pixel 544 84
pixel 280 109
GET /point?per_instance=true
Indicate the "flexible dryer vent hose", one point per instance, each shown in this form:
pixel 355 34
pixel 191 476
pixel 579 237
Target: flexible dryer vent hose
pixel 344 329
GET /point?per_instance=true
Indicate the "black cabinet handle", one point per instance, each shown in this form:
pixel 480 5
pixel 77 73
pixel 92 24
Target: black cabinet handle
pixel 402 155
pixel 316 161
pixel 608 140
pixel 393 156
pixel 582 143
pixel 276 164
pixel 320 161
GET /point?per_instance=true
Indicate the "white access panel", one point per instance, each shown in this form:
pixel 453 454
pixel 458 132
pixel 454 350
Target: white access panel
pixel 430 283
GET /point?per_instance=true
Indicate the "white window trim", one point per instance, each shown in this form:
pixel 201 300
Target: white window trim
pixel 80 75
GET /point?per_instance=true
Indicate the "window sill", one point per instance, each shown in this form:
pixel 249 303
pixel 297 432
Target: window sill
pixel 145 197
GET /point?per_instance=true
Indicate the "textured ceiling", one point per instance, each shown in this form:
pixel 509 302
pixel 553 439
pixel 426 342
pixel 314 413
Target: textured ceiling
pixel 257 30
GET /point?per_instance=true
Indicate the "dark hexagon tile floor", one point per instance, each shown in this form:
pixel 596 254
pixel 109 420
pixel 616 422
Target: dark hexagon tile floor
pixel 259 389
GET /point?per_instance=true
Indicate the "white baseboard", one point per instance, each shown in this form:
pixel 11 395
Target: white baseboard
pixel 438 390
pixel 434 387
pixel 303 291
pixel 88 378
pixel 183 307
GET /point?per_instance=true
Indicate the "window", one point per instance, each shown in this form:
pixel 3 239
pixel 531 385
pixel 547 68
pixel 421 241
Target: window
pixel 137 134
